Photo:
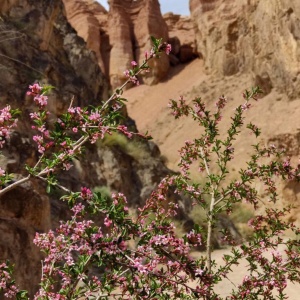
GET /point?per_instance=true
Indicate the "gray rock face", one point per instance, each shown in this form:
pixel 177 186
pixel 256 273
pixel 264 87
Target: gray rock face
pixel 24 211
pixel 38 44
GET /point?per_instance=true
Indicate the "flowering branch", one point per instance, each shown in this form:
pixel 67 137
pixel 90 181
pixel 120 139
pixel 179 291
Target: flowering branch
pixel 116 255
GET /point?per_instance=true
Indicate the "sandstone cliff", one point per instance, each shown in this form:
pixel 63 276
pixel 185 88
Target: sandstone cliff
pixel 89 18
pixel 251 36
pixel 121 35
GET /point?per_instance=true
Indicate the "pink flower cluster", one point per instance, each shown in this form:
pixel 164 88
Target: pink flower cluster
pixel 6 283
pixel 132 78
pixel 35 91
pixel 7 123
pixel 168 49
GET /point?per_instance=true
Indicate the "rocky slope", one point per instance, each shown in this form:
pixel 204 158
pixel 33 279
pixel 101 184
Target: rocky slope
pixel 241 44
pixel 259 40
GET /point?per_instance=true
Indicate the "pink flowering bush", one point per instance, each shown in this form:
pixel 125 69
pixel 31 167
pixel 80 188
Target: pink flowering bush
pixel 85 260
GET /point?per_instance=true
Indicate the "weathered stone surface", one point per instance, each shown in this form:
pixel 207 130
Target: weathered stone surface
pixel 49 51
pixel 130 26
pixel 288 141
pixel 118 37
pixel 37 43
pixel 251 36
pixel 181 37
pixel 89 18
pixel 24 211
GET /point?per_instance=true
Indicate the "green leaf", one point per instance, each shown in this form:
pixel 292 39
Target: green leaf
pixel 48 189
pixel 47 89
pixel 153 39
pixel 119 91
pixel 22 295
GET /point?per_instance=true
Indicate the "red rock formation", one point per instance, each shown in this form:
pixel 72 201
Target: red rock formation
pixel 120 36
pixel 251 36
pixel 131 23
pixel 121 40
pixel 89 18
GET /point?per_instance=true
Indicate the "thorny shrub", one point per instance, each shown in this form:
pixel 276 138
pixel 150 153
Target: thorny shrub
pixel 86 261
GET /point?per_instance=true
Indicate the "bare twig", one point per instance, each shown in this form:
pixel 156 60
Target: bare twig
pixel 210 216
pixel 14 184
pixel 18 61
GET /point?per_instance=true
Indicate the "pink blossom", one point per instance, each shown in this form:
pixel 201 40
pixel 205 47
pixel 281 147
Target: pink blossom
pixel 168 49
pixel 78 208
pixel 221 102
pixel 41 100
pixel 95 116
pixel 134 80
pixel 37 138
pixel 35 89
pixel 5 113
pixel 86 193
pixel 139 266
pixel 67 166
pixel 107 222
pixel 246 106
pixel 34 116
